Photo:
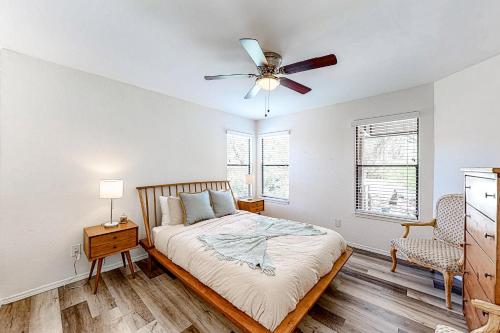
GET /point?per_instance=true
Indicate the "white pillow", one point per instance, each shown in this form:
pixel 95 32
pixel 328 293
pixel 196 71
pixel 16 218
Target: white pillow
pixel 175 211
pixel 171 210
pixel 165 216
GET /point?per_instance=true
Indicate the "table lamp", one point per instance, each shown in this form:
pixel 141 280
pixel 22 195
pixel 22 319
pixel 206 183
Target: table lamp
pixel 249 180
pixel 111 189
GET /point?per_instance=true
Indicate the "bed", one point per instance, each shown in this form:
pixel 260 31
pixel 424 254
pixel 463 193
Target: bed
pixel 253 301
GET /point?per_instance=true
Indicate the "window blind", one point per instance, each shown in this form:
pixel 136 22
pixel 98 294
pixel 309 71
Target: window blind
pixel 387 168
pixel 239 149
pixel 274 152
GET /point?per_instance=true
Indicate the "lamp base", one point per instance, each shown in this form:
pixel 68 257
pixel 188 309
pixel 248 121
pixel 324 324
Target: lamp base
pixel 110 224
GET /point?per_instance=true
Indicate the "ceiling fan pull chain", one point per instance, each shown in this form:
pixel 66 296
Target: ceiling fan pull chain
pixel 265 105
pixel 268 98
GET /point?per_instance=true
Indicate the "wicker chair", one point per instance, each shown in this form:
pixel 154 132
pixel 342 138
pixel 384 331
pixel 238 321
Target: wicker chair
pixel 492 326
pixel 443 253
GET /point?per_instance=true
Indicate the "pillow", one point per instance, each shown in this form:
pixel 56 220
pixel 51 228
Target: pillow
pixel 175 211
pixel 196 207
pixel 165 218
pixel 222 202
pixel 171 210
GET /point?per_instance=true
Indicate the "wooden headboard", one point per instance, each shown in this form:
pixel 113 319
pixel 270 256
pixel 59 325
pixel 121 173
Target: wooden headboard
pixel 148 196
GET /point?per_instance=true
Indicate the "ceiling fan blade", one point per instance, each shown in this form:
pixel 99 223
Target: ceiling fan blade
pixel 228 76
pixel 254 51
pixel 291 84
pixel 253 91
pixel 313 63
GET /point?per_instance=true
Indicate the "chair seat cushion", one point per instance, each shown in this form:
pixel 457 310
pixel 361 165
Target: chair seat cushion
pixel 434 253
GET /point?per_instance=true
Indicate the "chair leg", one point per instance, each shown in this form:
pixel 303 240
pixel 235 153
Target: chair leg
pixel 394 258
pixel 448 284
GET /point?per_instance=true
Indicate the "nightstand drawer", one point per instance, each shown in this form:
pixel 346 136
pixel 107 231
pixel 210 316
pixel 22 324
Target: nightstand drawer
pixel 113 237
pixel 253 206
pixel 112 247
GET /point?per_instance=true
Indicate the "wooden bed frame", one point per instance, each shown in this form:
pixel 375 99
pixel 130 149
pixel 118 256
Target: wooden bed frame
pixel 151 212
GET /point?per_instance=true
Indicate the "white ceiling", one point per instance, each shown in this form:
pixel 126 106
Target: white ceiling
pixel 167 46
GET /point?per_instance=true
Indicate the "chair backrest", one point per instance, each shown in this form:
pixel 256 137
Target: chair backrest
pixel 450 221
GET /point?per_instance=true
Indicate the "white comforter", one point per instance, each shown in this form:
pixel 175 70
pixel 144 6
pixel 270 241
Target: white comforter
pixel 300 262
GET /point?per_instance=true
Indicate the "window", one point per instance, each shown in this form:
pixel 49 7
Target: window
pixel 239 149
pixel 274 149
pixel 387 168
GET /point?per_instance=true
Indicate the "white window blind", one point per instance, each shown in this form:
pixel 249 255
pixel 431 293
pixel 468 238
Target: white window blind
pixel 387 168
pixel 239 149
pixel 274 151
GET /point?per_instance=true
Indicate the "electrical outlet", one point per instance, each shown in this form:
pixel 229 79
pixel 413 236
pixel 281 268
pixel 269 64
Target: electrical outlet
pixel 76 251
pixel 338 223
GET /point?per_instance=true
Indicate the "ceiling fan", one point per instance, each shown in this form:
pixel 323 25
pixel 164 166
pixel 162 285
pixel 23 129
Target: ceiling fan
pixel 271 73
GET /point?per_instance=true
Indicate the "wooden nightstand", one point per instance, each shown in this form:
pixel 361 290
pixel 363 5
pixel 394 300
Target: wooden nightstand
pixel 251 205
pixel 100 242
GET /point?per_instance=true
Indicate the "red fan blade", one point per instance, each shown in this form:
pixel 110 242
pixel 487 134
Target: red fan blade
pixel 290 84
pixel 313 63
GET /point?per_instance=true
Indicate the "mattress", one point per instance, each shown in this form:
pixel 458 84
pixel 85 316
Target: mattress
pixel 300 261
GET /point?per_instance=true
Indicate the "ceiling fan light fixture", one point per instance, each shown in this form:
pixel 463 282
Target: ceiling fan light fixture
pixel 268 82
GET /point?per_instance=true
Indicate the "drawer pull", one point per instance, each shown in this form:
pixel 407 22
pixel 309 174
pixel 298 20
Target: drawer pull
pixel 486 195
pixel 486 275
pixel 486 235
pixel 114 246
pixel 467 187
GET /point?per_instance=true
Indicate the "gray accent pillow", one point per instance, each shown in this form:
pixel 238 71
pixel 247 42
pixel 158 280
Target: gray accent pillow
pixel 196 207
pixel 222 202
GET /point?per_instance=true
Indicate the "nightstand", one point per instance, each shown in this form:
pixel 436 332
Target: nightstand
pixel 100 242
pixel 251 205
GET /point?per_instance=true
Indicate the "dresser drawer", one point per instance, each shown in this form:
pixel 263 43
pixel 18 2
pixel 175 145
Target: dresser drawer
pixel 113 247
pixel 114 237
pixel 474 291
pixel 470 312
pixel 483 268
pixel 481 193
pixel 482 229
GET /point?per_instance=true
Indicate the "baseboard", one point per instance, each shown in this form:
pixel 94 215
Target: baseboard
pixel 63 282
pixel 368 248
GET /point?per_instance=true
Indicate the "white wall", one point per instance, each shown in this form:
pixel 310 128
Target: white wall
pixel 467 118
pixel 322 164
pixel 63 130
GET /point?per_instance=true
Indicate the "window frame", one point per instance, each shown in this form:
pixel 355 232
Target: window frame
pixel 262 166
pixel 251 138
pixel 358 167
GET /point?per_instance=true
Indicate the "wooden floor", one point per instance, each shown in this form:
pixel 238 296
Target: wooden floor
pixel 365 297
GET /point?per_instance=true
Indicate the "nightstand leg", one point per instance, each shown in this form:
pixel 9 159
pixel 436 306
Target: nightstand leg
pixel 150 263
pixel 98 275
pixel 130 265
pixel 123 259
pixel 91 269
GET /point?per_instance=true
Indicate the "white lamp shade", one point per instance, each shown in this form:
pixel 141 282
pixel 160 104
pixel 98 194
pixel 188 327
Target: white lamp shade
pixel 249 179
pixel 111 189
pixel 268 83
